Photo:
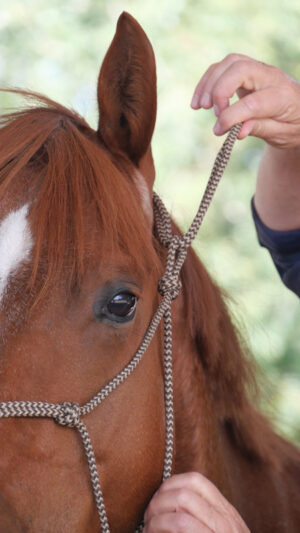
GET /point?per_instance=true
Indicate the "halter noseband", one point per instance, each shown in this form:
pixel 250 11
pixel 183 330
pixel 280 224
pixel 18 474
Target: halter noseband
pixel 70 414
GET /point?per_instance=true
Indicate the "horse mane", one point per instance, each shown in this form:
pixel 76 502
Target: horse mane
pixel 231 373
pixel 53 152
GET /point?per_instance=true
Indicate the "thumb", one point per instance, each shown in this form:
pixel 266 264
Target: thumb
pixel 261 128
pixel 278 134
pixel 267 129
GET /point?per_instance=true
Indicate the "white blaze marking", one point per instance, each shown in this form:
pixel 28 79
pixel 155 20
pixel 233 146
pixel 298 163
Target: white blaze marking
pixel 15 244
pixel 145 194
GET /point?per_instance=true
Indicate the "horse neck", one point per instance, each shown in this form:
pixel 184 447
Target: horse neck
pixel 196 422
pixel 210 374
pixel 218 430
pixel 215 391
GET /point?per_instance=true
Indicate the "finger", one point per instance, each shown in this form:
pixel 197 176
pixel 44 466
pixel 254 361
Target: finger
pixel 206 489
pixel 246 129
pixel 266 103
pixel 217 75
pixel 197 101
pixel 175 523
pixel 188 501
pixel 202 93
pixel 277 134
pixel 247 75
pixel 198 483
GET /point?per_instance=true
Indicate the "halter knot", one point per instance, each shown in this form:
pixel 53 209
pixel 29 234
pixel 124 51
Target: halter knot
pixel 169 285
pixel 68 415
pixel 177 243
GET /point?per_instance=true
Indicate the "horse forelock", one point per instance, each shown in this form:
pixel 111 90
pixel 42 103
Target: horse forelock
pixel 83 208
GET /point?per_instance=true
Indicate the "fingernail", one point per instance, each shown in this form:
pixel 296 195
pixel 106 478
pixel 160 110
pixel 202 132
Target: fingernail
pixel 217 129
pixel 195 100
pixel 205 100
pixel 216 110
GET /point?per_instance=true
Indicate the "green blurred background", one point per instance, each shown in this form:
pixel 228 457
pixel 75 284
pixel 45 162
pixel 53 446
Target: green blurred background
pixel 56 48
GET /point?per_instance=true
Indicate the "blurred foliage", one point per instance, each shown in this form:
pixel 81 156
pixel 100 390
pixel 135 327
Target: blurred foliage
pixel 56 48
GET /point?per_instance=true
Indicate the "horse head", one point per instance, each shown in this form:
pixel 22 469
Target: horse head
pixel 78 287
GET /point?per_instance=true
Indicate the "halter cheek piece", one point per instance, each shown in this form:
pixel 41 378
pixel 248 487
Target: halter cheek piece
pixel 70 414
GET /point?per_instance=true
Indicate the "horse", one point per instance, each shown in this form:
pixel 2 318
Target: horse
pixel 79 266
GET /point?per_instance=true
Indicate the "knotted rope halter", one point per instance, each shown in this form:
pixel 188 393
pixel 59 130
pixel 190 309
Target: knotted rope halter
pixel 70 413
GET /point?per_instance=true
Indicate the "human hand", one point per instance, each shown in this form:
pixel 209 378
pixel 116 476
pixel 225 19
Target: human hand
pixel 190 503
pixel 269 100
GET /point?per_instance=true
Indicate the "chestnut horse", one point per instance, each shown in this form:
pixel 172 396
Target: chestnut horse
pixel 79 267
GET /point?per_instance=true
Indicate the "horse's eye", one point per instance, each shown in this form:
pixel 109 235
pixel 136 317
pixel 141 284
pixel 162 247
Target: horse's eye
pixel 118 307
pixel 123 305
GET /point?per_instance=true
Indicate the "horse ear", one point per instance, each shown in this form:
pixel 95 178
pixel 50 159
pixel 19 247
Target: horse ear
pixel 127 91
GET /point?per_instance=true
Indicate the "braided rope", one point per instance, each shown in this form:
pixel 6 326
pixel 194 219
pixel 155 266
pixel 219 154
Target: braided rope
pixel 69 413
pixel 168 387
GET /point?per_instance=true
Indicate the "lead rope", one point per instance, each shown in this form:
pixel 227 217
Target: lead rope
pixel 69 413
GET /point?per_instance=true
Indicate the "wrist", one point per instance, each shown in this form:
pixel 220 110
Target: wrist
pixel 277 196
pixel 283 154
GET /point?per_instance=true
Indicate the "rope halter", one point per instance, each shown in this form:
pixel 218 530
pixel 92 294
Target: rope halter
pixel 69 414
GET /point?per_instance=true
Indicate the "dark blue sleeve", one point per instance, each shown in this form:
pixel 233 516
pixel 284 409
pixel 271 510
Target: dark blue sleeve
pixel 284 247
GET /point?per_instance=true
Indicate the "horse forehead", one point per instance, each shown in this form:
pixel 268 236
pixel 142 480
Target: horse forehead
pixel 15 244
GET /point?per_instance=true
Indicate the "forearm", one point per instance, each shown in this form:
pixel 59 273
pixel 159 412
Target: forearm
pixel 277 196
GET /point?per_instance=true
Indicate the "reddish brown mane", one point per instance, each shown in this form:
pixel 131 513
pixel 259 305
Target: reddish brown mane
pixel 231 372
pixel 72 177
